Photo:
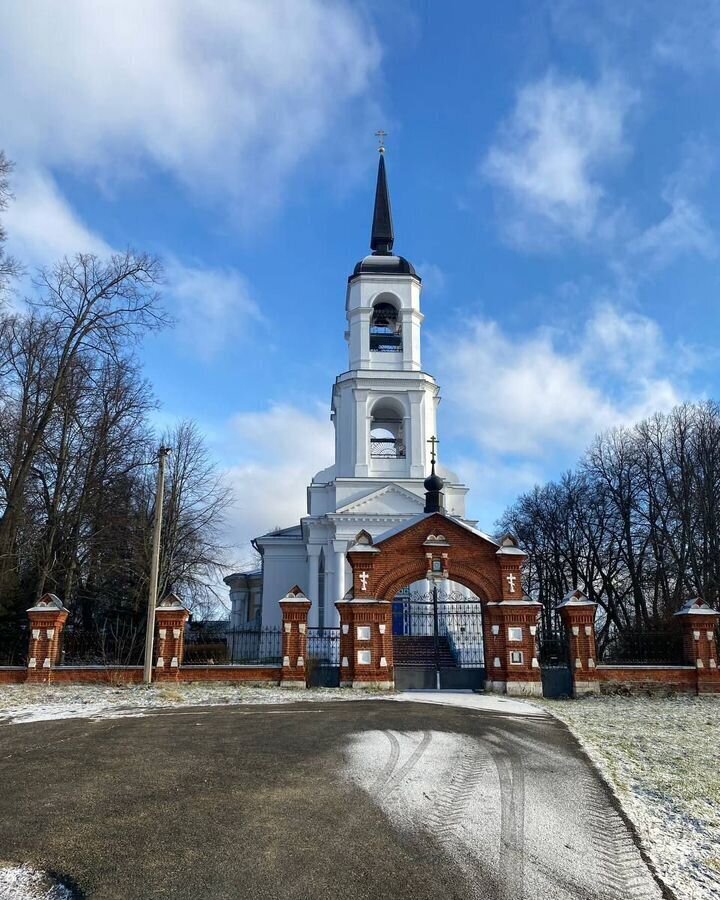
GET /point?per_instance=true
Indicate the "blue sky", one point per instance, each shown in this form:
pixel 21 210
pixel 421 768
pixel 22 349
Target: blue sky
pixel 553 170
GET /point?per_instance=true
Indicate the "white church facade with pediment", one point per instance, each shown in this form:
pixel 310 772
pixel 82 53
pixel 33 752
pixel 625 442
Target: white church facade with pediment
pixel 384 411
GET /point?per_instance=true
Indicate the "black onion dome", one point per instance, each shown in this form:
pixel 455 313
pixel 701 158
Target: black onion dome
pixel 384 265
pixel 434 483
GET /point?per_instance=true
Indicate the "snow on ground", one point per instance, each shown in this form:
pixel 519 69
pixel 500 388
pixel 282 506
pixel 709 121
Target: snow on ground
pixel 470 700
pixel 662 757
pixel 26 883
pixel 506 823
pixel 35 703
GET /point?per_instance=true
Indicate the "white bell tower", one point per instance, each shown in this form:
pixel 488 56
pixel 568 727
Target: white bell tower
pixel 384 410
pixel 384 406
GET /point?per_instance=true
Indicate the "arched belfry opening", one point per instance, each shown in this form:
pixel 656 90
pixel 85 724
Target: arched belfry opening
pixel 385 328
pixel 387 431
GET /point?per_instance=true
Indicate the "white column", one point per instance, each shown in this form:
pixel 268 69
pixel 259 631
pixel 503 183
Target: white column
pixel 362 436
pixel 416 449
pixel 338 592
pixel 239 600
pixel 313 552
pixel 411 321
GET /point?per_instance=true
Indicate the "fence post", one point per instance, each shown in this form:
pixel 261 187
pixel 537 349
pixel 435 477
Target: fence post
pixel 514 644
pixel 295 608
pixel 578 616
pixel 366 643
pixel 170 620
pixel 47 620
pixel 699 625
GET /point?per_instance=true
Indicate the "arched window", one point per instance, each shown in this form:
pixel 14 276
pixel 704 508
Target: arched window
pixel 387 439
pixel 385 329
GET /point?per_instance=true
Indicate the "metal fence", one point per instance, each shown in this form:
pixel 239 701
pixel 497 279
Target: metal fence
pixel 212 645
pixel 644 647
pixel 13 644
pixel 113 642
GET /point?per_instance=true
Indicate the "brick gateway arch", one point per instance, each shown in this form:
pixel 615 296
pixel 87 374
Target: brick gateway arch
pixel 443 550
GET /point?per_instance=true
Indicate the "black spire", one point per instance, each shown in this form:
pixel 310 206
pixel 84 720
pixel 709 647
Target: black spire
pixel 382 237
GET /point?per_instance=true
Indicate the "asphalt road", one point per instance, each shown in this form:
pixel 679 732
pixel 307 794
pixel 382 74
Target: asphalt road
pixel 367 799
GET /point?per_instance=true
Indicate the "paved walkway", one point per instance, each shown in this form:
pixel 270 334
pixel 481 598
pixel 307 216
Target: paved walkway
pixel 369 799
pixel 470 700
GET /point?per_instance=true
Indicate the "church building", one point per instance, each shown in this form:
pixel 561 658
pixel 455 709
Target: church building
pixel 384 411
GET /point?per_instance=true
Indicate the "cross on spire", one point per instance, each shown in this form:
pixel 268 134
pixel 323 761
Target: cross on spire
pixel 381 135
pixel 433 442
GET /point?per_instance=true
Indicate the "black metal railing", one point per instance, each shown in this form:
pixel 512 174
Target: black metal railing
pixel 644 647
pixel 323 646
pixel 385 343
pixel 13 644
pixel 387 448
pixel 113 642
pixel 244 646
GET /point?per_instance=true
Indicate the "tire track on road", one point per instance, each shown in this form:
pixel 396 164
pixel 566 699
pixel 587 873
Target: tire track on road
pixel 391 763
pixel 511 775
pixel 621 872
pixel 395 781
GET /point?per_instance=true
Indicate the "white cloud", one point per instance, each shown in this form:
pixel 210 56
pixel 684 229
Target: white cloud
pixel 227 97
pixel 278 452
pixel 549 392
pixel 689 37
pixel 684 228
pixel 41 224
pixel 433 277
pixel 550 153
pixel 213 307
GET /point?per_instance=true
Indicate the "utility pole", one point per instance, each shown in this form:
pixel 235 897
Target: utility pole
pixel 163 454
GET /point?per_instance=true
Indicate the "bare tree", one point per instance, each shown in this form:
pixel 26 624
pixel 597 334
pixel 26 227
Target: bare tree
pixel 86 310
pixel 636 525
pixel 9 267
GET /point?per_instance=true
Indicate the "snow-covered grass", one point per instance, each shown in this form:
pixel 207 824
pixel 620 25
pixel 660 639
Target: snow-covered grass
pixel 662 757
pixel 35 703
pixel 26 883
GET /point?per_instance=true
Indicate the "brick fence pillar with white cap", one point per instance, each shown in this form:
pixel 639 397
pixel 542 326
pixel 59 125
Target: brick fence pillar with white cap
pixel 47 620
pixel 699 624
pixel 170 620
pixel 366 643
pixel 295 609
pixel 578 616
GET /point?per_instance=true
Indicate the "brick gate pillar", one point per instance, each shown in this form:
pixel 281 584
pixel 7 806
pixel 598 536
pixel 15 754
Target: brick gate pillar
pixel 515 646
pixel 699 625
pixel 170 620
pixel 366 643
pixel 494 648
pixel 511 660
pixel 295 609
pixel 47 621
pixel 578 616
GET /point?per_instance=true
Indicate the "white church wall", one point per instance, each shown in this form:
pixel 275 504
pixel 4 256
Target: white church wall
pixel 282 570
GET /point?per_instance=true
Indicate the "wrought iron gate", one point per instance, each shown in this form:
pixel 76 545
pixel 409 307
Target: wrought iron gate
pixel 554 656
pixel 323 657
pixel 438 641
